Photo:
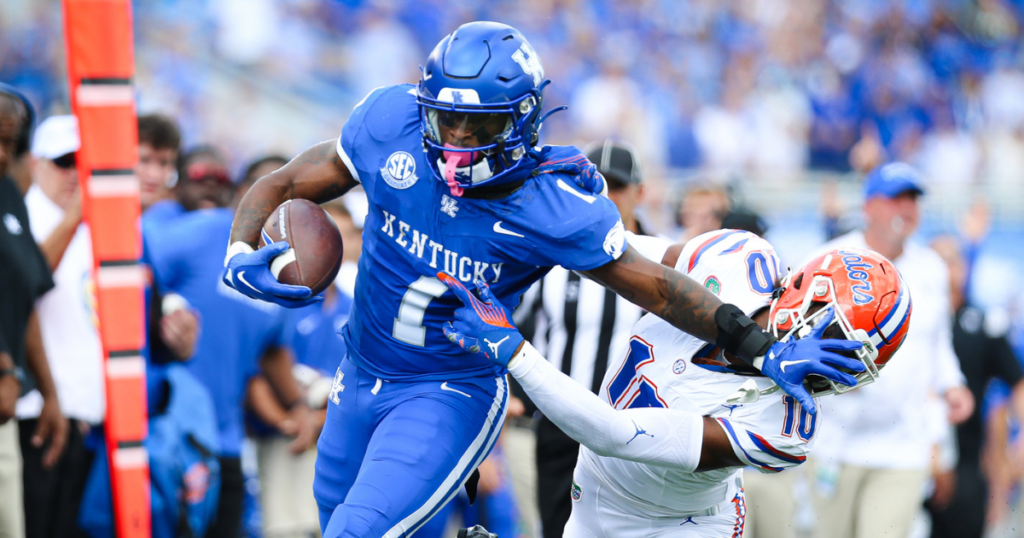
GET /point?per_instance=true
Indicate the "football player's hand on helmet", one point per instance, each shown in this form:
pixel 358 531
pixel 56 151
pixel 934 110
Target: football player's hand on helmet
pixel 482 326
pixel 789 363
pixel 583 173
pixel 248 271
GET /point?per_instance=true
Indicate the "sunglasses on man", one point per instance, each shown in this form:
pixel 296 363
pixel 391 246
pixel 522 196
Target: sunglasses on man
pixel 204 171
pixel 66 161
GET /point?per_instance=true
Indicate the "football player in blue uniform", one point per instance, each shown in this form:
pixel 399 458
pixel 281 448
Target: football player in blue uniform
pixel 456 183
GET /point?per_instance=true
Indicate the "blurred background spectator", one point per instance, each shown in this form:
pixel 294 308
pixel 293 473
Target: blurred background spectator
pixel 244 336
pixel 25 277
pixel 159 144
pixel 701 210
pixel 54 485
pixel 979 339
pixel 872 455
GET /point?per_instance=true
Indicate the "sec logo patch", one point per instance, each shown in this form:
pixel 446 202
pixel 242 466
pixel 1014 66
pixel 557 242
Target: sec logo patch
pixel 679 366
pixel 400 170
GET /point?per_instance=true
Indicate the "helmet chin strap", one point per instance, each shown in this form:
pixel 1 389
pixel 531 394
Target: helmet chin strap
pixel 455 162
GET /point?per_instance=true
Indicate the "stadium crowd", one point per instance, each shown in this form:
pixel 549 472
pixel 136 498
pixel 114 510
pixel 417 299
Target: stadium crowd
pixel 759 90
pixel 753 87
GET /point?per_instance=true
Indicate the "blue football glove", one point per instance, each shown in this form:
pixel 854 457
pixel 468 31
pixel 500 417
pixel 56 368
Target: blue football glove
pixel 789 363
pixel 482 326
pixel 583 172
pixel 249 273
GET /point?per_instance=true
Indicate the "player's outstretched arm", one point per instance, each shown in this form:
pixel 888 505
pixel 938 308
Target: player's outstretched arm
pixel 689 307
pixel 673 296
pixel 317 174
pixel 658 436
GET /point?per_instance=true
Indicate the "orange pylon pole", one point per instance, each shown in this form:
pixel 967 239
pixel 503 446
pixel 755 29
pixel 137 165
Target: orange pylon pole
pixel 101 66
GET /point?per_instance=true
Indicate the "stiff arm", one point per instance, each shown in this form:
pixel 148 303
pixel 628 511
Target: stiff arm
pixel 657 288
pixel 317 174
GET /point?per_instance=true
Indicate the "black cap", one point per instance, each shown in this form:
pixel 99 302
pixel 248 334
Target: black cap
pixel 617 161
pixel 25 136
pixel 745 219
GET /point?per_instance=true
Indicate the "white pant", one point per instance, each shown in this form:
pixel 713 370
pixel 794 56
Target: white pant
pixel 600 513
pixel 771 503
pixel 868 503
pixel 286 489
pixel 12 511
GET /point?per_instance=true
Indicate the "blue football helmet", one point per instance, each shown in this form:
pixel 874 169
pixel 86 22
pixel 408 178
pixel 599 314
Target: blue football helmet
pixel 480 97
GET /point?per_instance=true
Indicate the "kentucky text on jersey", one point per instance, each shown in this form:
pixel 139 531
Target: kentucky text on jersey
pixel 855 266
pixel 420 244
pixel 415 228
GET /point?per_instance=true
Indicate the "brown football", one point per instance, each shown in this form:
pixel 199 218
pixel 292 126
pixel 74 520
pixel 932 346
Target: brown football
pixel 315 254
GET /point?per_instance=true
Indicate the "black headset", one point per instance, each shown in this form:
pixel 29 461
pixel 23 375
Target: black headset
pixel 25 137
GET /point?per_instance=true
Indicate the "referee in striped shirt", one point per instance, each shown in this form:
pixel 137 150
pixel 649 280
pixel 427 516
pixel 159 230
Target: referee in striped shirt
pixel 582 327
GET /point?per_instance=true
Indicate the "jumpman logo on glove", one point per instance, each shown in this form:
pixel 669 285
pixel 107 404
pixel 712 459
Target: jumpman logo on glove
pixel 483 318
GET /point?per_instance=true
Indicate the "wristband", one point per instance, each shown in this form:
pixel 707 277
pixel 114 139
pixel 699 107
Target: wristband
pixel 740 336
pixel 238 247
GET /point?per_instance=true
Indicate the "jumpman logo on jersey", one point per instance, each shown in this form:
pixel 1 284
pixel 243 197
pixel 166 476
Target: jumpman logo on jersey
pixel 639 431
pixel 688 520
pixel 494 345
pixel 731 407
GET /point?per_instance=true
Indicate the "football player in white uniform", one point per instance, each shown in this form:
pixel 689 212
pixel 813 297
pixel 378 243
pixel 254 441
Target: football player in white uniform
pixel 665 442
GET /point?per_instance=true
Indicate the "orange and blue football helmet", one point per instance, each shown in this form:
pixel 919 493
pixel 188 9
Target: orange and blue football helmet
pixel 872 305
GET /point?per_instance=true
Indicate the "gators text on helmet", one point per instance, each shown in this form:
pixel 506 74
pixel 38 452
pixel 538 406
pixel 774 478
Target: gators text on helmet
pixel 872 305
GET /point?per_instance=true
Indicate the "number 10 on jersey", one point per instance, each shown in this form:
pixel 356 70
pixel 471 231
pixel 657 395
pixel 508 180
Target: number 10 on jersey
pixel 807 422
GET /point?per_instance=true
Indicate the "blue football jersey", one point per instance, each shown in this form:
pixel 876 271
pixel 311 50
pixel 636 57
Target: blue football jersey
pixel 415 228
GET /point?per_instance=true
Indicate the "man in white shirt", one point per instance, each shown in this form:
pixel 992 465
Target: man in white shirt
pixel 53 482
pixel 873 453
pixel 53 485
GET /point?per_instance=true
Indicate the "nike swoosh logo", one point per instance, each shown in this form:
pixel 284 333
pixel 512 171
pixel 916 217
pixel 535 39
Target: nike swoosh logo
pixel 444 386
pixel 784 364
pixel 241 276
pixel 499 229
pixel 565 187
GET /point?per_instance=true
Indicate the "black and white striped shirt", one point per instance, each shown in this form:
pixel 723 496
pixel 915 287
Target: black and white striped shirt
pixel 578 324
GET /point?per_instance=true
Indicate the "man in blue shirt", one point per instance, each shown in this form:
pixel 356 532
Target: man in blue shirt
pixel 239 334
pixel 285 464
pixel 457 184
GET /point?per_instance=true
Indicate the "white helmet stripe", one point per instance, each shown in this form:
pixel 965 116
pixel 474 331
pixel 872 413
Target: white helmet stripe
pixel 898 317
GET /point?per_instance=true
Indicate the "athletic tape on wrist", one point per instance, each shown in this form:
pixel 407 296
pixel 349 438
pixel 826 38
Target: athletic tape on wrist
pixel 238 247
pixel 739 335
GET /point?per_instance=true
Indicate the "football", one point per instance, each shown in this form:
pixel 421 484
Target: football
pixel 315 254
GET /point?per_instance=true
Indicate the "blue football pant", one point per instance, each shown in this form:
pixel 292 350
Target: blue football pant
pixel 496 510
pixel 392 454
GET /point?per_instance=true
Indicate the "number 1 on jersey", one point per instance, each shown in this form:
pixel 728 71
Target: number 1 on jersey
pixel 409 323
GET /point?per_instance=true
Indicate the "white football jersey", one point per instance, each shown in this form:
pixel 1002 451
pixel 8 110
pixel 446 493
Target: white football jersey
pixel 665 367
